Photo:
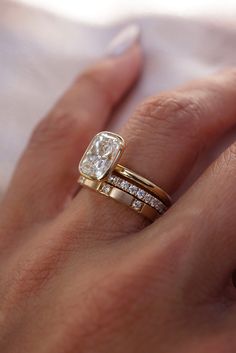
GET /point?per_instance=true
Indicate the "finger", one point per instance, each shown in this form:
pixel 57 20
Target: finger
pixel 207 217
pixel 47 171
pixel 164 138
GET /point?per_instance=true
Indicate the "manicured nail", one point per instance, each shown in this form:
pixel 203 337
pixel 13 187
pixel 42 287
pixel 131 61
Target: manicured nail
pixel 124 40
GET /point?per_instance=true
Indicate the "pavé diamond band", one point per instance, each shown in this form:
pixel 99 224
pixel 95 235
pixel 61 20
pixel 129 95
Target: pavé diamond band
pixel 101 172
pixel 121 196
pixel 144 183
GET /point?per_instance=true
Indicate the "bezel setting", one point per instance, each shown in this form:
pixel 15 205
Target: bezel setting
pixel 102 154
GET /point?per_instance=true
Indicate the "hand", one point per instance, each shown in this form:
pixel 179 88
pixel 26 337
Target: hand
pixel 86 274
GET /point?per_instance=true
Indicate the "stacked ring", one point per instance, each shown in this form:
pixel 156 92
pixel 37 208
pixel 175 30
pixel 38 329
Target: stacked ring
pixel 101 172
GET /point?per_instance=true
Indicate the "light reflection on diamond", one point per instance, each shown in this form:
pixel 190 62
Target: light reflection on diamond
pixel 106 189
pixel 101 154
pixel 124 185
pixel 133 189
pixel 137 205
pixel 141 194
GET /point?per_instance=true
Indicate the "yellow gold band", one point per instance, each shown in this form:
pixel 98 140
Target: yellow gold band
pixel 101 172
pixel 144 183
pixel 121 196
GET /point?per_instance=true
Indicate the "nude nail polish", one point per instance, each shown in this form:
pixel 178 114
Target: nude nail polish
pixel 124 40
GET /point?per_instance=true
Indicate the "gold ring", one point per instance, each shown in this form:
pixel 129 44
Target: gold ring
pixel 101 172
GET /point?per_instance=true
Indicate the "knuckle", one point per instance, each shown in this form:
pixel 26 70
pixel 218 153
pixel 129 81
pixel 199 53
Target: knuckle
pixel 175 113
pixel 226 162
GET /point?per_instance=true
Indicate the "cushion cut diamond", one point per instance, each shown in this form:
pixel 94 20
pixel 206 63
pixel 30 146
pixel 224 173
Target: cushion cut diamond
pixel 101 155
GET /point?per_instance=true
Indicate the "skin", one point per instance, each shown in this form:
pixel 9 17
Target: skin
pixel 86 274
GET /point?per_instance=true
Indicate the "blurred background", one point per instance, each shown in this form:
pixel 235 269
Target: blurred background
pixel 44 44
pixel 105 11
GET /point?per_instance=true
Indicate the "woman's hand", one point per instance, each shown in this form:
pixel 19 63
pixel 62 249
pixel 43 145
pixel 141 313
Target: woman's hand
pixel 86 274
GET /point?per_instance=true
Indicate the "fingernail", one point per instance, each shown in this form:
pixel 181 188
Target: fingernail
pixel 124 40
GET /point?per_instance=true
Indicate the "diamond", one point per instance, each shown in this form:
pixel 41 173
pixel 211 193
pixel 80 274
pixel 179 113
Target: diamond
pixel 124 185
pixel 81 179
pixel 156 203
pixel 141 194
pixel 148 198
pixel 118 182
pixel 153 201
pixel 162 208
pixel 159 206
pixel 102 153
pixel 133 189
pixel 137 205
pixel 106 189
pixel 112 179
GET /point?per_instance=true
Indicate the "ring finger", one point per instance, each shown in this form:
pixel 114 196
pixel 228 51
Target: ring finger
pixel 164 138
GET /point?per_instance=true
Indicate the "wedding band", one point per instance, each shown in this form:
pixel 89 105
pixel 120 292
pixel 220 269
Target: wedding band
pixel 101 172
pixel 143 182
pixel 120 196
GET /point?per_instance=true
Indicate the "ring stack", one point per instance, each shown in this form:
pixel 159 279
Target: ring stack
pixel 100 171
